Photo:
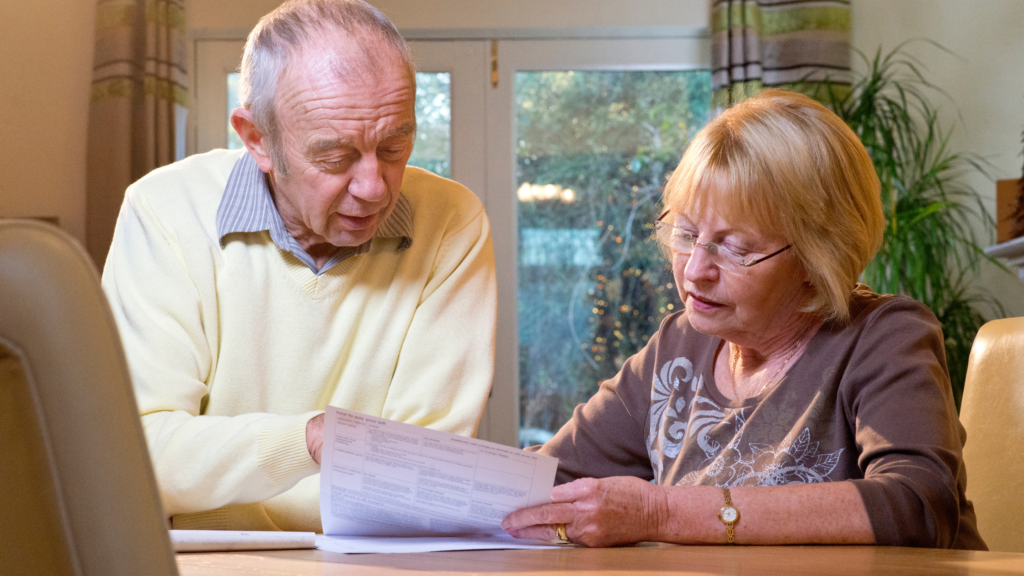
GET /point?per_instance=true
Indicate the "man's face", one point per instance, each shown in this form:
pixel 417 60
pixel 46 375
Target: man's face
pixel 346 139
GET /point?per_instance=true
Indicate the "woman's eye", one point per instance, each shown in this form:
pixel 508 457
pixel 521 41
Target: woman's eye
pixel 735 247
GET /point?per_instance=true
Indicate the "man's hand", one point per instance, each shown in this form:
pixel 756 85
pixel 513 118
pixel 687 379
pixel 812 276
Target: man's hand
pixel 605 512
pixel 315 437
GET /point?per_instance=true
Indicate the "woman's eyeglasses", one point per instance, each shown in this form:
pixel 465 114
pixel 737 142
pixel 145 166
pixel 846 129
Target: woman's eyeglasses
pixel 681 241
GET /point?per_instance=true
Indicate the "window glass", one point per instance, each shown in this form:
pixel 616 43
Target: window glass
pixel 593 151
pixel 433 123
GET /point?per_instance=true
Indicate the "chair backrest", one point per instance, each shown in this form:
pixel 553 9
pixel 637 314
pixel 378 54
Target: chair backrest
pixel 77 491
pixel 992 411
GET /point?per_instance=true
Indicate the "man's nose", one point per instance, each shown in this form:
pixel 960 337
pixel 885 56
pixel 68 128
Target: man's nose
pixel 368 182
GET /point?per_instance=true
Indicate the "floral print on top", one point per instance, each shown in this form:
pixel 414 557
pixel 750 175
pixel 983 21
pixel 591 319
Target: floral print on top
pixel 794 460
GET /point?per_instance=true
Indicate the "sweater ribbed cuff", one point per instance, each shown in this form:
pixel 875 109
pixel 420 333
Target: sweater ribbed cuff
pixel 235 517
pixel 281 450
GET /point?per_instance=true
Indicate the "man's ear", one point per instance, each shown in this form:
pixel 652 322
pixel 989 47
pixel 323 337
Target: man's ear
pixel 254 140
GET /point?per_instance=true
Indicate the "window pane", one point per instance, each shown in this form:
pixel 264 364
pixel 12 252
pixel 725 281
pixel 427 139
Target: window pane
pixel 234 142
pixel 433 123
pixel 594 149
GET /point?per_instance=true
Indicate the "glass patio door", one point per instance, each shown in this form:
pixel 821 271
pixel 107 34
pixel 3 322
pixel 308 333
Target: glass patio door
pixel 581 137
pixel 593 149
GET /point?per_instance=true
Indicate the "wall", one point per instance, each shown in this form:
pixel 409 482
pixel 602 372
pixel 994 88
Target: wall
pixel 984 80
pixel 46 49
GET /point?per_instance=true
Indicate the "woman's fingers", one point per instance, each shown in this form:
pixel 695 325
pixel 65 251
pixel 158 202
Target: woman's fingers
pixel 543 515
pixel 574 490
pixel 603 512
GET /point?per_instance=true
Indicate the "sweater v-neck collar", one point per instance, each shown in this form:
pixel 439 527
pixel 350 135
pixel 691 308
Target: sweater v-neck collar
pixel 247 206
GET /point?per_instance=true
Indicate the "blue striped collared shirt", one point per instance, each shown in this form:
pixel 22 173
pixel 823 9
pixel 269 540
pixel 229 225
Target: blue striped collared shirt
pixel 248 207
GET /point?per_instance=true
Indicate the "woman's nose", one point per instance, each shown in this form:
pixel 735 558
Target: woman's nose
pixel 700 265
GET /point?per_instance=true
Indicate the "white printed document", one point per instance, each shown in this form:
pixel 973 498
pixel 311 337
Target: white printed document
pixel 379 477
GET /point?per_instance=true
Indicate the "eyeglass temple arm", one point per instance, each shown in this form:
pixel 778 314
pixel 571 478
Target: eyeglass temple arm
pixel 776 253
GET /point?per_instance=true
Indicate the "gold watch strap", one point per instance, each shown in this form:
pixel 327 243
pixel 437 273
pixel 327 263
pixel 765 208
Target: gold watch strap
pixel 730 531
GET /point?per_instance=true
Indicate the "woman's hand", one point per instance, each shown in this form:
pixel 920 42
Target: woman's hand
pixel 605 512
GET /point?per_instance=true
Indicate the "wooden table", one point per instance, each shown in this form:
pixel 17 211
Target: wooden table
pixel 655 559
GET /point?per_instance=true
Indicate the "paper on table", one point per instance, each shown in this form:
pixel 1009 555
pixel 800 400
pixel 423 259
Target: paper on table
pixel 385 478
pixel 220 540
pixel 402 544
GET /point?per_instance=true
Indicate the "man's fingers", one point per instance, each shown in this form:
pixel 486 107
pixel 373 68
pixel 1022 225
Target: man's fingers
pixel 314 436
pixel 535 532
pixel 545 514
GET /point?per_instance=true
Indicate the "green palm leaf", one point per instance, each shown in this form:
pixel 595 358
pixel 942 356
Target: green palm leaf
pixel 930 250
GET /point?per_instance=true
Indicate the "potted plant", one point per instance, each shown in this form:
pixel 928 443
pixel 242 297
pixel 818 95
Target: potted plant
pixel 930 249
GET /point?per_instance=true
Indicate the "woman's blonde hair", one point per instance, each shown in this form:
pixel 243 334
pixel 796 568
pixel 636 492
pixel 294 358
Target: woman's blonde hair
pixel 784 164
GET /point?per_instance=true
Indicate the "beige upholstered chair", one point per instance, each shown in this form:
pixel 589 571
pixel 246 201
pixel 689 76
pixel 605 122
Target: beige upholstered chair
pixel 77 492
pixel 993 414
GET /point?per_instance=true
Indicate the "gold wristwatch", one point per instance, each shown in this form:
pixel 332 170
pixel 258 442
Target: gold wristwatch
pixel 729 516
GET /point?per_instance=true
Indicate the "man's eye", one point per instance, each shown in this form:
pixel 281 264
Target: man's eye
pixel 333 164
pixel 392 152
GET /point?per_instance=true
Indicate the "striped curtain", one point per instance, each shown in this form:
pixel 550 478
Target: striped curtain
pixel 138 107
pixel 788 44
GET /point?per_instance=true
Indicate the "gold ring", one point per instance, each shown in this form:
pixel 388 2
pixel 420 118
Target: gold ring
pixel 562 536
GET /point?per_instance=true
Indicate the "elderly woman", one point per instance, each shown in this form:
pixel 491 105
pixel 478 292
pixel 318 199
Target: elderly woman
pixel 787 404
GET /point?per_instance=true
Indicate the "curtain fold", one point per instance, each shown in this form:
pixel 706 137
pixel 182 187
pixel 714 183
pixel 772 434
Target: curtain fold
pixel 138 105
pixel 790 44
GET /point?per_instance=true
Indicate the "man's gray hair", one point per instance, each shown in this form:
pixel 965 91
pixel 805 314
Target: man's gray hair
pixel 283 32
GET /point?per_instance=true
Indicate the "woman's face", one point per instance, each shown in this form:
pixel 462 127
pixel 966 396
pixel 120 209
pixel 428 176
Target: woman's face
pixel 750 308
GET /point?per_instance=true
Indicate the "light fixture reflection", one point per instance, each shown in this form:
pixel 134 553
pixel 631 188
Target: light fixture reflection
pixel 534 192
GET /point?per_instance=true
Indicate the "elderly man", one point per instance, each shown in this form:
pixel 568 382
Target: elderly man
pixel 253 288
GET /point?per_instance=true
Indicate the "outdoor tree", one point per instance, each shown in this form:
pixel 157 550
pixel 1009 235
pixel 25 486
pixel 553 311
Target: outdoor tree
pixel 593 287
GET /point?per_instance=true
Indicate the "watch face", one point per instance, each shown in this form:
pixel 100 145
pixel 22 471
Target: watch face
pixel 728 514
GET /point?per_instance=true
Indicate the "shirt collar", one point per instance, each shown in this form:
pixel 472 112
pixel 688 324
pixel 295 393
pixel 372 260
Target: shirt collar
pixel 247 206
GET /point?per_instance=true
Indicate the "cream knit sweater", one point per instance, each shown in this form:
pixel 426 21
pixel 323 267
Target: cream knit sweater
pixel 232 350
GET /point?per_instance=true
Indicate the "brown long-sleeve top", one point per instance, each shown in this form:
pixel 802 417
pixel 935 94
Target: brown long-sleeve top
pixel 869 402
